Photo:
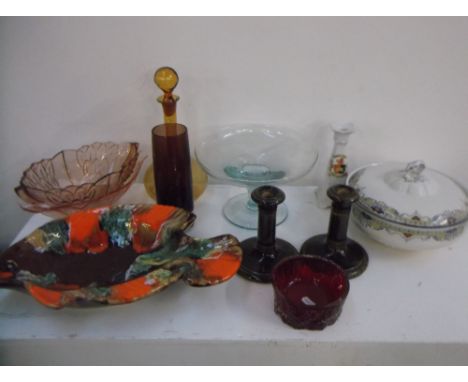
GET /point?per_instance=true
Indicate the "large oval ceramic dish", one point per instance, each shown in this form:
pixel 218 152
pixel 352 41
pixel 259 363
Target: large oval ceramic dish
pixel 116 255
pixel 408 206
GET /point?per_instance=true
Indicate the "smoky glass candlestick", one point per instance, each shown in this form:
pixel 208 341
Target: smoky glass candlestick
pixel 335 245
pixel 261 253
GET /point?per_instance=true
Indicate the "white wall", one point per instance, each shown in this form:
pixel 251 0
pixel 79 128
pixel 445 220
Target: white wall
pixel 70 81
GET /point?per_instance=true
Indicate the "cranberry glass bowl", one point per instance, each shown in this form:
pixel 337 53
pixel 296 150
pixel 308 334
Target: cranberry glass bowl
pixel 92 176
pixel 309 291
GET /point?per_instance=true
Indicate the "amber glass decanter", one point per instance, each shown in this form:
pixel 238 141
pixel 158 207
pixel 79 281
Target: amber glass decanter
pixel 167 79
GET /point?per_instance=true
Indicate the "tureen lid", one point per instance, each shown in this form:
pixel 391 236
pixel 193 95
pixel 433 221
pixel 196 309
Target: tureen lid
pixel 410 194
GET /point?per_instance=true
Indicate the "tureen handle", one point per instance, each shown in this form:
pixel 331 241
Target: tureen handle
pixel 413 171
pixel 412 180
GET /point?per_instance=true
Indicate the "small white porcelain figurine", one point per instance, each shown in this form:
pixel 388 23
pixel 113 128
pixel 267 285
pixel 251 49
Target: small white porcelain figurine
pixel 338 165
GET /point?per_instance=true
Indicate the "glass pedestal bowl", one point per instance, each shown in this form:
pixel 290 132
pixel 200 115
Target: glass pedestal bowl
pixel 254 155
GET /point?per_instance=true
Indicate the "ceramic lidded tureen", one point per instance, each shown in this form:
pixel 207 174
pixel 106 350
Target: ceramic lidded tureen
pixel 409 206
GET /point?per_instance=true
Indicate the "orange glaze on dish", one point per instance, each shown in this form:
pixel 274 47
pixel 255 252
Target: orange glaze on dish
pixel 220 267
pixel 85 234
pixel 146 226
pixel 132 290
pixel 48 297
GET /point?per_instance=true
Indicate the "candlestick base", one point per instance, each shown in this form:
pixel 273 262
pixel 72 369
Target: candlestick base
pixel 258 265
pixel 353 259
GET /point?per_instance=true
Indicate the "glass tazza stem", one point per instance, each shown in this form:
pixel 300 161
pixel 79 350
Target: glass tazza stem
pixel 251 205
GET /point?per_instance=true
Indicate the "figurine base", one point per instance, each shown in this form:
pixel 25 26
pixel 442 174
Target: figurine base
pixel 354 261
pixel 257 266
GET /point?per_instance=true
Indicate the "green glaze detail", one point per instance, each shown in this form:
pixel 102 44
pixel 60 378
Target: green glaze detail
pixel 44 281
pixel 184 251
pixel 161 276
pixel 89 294
pixel 56 236
pixel 117 223
pixel 164 277
pixel 141 265
pixel 174 227
pixel 52 236
pixel 101 292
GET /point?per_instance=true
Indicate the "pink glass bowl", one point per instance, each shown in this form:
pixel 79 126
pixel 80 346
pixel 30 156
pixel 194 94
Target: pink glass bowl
pixel 309 291
pixel 92 176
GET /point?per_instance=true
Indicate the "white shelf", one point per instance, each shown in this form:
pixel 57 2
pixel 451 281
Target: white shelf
pixel 407 308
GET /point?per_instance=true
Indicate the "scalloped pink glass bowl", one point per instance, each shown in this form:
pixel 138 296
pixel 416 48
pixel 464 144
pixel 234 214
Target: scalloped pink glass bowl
pixel 92 176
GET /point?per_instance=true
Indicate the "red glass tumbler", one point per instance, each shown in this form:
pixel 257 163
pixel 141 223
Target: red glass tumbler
pixel 309 291
pixel 172 165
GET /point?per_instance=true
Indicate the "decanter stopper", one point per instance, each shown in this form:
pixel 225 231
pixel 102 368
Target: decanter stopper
pixel 261 253
pixel 335 245
pixel 338 164
pixel 167 79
